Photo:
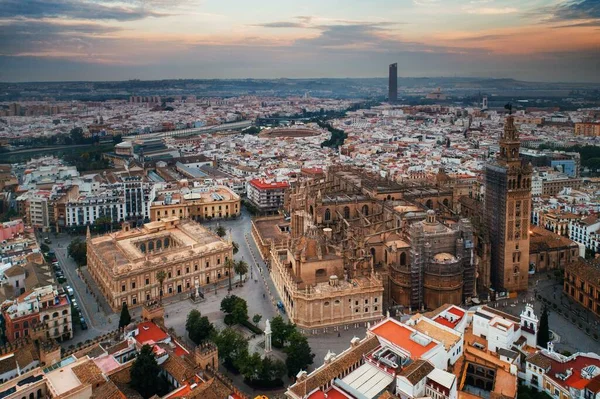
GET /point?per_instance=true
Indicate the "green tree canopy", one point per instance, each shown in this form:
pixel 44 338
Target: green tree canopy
pixel 280 331
pixel 125 317
pixel 199 328
pixel 145 374
pixel 77 250
pixel 256 319
pixel 299 354
pixel 221 232
pixel 232 346
pixel 241 268
pixel 235 309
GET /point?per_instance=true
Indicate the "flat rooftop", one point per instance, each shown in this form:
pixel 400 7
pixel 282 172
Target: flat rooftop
pixel 404 337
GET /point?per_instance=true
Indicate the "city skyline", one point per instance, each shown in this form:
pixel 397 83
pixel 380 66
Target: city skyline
pixel 537 40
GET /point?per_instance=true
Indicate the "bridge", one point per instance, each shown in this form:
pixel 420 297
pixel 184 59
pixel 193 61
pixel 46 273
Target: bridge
pixel 191 132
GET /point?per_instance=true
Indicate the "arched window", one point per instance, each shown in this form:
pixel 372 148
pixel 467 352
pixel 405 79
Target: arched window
pixel 55 314
pixel 346 212
pixel 320 273
pixel 429 204
pixel 151 246
pixel 403 259
pixel 311 210
pixel 25 324
pixel 143 247
pixel 166 241
pixel 158 244
pixel 445 202
pixel 39 393
pixel 365 210
pixel 373 255
pixel 327 215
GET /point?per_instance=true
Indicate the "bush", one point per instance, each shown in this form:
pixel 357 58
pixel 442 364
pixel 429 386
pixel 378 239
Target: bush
pixel 251 327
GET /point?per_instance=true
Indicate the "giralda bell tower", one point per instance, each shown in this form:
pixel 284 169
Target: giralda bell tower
pixel 507 212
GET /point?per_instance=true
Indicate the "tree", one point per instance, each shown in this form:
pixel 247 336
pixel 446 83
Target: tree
pixel 280 331
pixel 199 328
pixel 103 223
pixel 232 345
pixel 77 135
pixel 256 319
pixel 44 248
pixel 235 309
pixel 241 268
pixel 221 232
pixel 544 332
pixel 125 317
pixel 77 250
pixel 299 355
pixel 145 374
pixel 161 276
pixel 229 263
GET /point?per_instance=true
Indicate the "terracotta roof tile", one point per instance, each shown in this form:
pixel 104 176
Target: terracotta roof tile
pixel 89 373
pixel 323 375
pixel 417 370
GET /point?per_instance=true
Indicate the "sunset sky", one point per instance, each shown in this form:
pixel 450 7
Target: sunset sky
pixel 537 40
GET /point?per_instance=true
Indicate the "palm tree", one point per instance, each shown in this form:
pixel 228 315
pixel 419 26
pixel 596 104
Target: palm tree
pixel 241 268
pixel 160 276
pixel 229 263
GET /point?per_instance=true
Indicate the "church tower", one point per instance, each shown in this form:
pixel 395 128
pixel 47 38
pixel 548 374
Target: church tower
pixel 507 210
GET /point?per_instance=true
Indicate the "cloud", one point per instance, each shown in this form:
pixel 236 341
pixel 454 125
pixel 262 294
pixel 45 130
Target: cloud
pixel 282 24
pixel 578 13
pixel 492 10
pixel 585 9
pixel 74 9
pixel 47 37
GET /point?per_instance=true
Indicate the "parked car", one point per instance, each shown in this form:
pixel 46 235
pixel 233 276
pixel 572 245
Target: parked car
pixel 70 291
pixel 83 324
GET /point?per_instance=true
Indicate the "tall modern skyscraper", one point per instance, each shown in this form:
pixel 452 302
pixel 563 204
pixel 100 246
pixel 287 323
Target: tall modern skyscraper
pixel 393 83
pixel 507 210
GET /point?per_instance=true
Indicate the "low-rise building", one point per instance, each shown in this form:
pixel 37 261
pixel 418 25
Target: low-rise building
pixel 197 204
pixel 41 312
pixel 582 283
pixel 550 251
pixel 126 264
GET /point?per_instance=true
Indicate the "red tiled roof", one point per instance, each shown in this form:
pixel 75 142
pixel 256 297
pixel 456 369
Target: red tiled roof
pixel 148 331
pixel 264 185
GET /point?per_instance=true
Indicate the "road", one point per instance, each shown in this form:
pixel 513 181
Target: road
pixel 99 321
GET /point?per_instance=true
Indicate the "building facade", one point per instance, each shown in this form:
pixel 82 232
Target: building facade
pixel 267 197
pixel 159 259
pixel 507 213
pixel 211 203
pixel 582 283
pixel 41 313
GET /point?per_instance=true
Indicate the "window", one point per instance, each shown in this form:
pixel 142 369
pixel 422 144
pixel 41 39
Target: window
pixel 147 281
pixel 346 212
pixel 123 288
pixel 327 215
pixel 178 272
pixel 133 285
pixel 366 301
pixel 326 303
pixel 169 275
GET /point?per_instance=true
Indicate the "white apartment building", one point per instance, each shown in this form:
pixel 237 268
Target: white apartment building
pixel 502 330
pixel 127 200
pixel 586 232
